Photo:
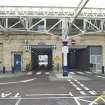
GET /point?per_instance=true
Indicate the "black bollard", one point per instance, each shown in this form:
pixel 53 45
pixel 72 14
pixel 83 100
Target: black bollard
pixel 13 71
pixel 3 69
pixel 102 69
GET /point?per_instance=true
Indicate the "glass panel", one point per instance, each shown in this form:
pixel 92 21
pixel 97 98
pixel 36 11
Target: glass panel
pixel 98 60
pixel 99 67
pixel 96 50
pixel 92 59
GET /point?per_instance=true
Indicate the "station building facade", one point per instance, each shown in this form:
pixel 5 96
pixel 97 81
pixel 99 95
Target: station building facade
pixel 32 37
pixel 86 53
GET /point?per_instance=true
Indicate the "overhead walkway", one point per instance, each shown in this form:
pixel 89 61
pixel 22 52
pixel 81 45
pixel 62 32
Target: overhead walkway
pixel 46 19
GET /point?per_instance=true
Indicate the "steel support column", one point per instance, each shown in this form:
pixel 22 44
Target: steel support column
pixel 65 46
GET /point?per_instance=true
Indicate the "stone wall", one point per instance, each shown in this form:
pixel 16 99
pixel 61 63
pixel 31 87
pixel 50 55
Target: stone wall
pixel 15 43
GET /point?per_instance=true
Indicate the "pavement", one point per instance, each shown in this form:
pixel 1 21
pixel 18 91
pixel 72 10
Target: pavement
pixel 51 88
pixel 11 75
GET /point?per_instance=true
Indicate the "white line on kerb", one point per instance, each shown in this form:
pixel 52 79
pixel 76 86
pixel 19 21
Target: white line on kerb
pixel 18 101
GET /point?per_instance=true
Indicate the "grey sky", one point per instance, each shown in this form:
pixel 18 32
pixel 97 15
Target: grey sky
pixel 65 3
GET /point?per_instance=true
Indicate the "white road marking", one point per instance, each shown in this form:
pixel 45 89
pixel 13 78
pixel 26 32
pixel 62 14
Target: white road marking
pixel 3 95
pixel 54 97
pixel 70 93
pixel 28 80
pixel 75 85
pixel 80 72
pixel 85 100
pixel 46 94
pixel 18 101
pixel 86 88
pixel 72 73
pixel 22 81
pixel 76 100
pixel 100 76
pixel 17 95
pixel 82 85
pixel 78 88
pixel 89 72
pixel 47 73
pixel 78 82
pixel 75 80
pixel 69 80
pixel 82 93
pixel 38 73
pixel 92 92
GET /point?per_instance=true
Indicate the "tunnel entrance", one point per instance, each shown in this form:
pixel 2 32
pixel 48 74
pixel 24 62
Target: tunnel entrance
pixel 78 59
pixel 41 59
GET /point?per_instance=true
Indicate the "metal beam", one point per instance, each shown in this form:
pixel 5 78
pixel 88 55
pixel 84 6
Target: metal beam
pixel 77 27
pixel 93 25
pixel 36 23
pixel 52 12
pixel 54 26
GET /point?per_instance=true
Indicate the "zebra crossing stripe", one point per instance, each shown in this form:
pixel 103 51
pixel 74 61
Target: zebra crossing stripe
pixel 86 88
pixel 92 92
pixel 82 92
pixel 89 72
pixel 80 72
pixel 47 73
pixel 72 73
pixel 38 73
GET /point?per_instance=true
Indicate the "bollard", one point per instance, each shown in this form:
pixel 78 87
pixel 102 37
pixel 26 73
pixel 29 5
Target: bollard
pixel 102 69
pixel 13 71
pixel 3 69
